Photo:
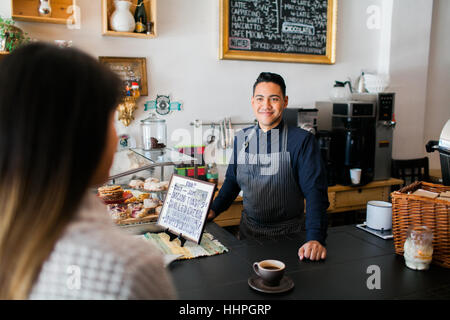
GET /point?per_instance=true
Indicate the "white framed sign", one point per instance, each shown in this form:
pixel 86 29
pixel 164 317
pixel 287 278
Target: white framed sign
pixel 186 207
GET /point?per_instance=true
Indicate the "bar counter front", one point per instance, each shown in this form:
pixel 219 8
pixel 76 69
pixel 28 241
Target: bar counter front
pixel 354 261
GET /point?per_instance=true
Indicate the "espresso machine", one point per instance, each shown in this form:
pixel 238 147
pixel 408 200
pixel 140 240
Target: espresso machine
pixel 353 140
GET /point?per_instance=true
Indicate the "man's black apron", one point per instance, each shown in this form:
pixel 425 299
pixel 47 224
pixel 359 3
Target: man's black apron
pixel 272 200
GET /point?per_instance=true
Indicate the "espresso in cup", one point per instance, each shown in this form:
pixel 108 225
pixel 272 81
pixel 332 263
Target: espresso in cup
pixel 270 271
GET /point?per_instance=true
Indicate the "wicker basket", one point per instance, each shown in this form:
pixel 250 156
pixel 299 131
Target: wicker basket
pixel 412 210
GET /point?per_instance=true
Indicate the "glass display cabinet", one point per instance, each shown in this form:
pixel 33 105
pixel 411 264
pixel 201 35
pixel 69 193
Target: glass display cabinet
pixel 138 163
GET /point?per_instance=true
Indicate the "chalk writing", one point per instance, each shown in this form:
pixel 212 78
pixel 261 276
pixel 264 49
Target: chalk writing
pixel 281 26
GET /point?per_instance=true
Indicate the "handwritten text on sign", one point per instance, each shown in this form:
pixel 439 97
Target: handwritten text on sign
pixel 289 26
pixel 186 206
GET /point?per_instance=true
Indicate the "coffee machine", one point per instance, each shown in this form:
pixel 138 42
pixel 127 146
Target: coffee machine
pixel 353 140
pixel 304 118
pixel 324 141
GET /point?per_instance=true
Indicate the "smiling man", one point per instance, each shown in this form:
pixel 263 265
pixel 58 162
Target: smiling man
pixel 276 167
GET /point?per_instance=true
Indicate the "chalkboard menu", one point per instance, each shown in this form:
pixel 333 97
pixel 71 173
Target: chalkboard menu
pixel 278 30
pixel 186 207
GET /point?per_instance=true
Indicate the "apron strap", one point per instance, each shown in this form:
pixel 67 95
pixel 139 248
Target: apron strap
pixel 284 139
pixel 247 139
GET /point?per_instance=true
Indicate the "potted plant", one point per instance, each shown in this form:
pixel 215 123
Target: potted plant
pixel 11 36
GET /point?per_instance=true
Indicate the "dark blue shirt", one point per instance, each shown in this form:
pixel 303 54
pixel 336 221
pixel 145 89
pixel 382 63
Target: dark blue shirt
pixel 309 173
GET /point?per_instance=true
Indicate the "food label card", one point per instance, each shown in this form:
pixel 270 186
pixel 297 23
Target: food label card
pixel 186 207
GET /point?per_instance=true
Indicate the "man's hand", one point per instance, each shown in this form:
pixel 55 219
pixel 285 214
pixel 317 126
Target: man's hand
pixel 312 250
pixel 211 215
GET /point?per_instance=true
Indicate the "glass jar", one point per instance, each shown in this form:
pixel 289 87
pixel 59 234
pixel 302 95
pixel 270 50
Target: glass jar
pixel 212 174
pixel 418 248
pixel 154 133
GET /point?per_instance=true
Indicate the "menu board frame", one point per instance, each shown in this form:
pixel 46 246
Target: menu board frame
pixel 208 187
pixel 226 53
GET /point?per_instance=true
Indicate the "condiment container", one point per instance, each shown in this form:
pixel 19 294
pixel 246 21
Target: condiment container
pixel 418 248
pixel 154 133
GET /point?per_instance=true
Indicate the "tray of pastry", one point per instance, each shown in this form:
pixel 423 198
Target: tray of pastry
pixel 135 206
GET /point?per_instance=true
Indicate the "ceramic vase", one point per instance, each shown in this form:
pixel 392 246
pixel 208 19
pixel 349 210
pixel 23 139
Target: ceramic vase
pixel 122 20
pixel 45 10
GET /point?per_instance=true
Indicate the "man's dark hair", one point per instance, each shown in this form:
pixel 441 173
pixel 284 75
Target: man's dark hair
pixel 271 77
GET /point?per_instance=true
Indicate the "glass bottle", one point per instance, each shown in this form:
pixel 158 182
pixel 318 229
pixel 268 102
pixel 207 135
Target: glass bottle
pixel 140 17
pixel 212 174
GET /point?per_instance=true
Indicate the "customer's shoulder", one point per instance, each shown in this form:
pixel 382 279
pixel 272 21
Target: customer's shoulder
pixel 110 241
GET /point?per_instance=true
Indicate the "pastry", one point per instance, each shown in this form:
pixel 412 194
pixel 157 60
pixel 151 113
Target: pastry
pixel 153 187
pixel 136 184
pixel 158 210
pixel 151 203
pixel 137 210
pixel 132 199
pixel 118 211
pixel 164 185
pixel 143 196
pixel 151 179
pixel 110 193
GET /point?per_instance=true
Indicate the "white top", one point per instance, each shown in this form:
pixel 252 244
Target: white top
pixel 94 259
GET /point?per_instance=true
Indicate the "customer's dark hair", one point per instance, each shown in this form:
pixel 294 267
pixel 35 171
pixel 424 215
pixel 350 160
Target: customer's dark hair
pixel 55 108
pixel 271 77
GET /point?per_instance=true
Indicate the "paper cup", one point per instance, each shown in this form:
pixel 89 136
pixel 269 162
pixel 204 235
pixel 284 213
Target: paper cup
pixel 355 175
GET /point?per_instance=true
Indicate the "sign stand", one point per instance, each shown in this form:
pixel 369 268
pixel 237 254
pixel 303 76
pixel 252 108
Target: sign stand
pixel 174 236
pixel 186 208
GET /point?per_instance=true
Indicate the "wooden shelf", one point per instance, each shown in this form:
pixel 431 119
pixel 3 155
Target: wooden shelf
pixel 108 8
pixel 3 54
pixel 27 10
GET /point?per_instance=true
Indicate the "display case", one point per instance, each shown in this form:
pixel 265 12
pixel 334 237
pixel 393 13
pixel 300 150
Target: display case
pixel 138 177
pixel 131 162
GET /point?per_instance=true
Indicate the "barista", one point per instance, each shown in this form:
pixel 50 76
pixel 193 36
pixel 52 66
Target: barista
pixel 277 167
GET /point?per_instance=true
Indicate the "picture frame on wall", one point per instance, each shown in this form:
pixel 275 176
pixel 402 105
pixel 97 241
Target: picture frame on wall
pixel 129 68
pixel 278 31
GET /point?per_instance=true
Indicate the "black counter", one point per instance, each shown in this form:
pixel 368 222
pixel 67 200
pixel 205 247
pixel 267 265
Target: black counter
pixel 343 275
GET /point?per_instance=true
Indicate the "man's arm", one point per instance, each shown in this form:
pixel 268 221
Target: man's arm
pixel 313 182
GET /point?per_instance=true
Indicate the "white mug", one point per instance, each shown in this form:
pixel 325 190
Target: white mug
pixel 379 215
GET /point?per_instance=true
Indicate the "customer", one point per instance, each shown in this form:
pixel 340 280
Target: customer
pixel 57 141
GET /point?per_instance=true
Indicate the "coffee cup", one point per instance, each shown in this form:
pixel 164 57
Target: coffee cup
pixel 355 175
pixel 270 271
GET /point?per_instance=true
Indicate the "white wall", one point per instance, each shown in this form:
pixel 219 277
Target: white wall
pixel 183 62
pixel 410 41
pixel 183 59
pixel 438 89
